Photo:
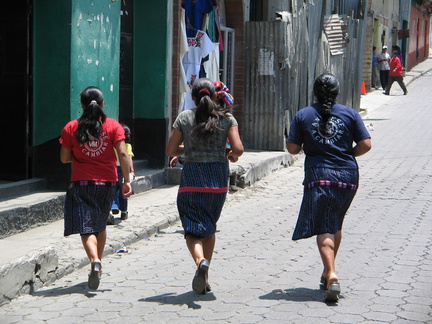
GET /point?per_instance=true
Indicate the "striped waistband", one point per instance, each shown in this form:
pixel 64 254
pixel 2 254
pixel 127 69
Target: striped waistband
pixel 331 183
pixel 92 183
pixel 203 189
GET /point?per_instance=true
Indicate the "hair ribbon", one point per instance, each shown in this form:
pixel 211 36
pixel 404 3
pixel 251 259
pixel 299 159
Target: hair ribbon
pixel 204 92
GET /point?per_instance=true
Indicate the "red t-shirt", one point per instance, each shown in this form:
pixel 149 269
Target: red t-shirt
pixel 96 159
pixel 395 64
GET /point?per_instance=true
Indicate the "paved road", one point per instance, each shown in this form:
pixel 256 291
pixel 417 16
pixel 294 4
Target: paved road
pixel 258 274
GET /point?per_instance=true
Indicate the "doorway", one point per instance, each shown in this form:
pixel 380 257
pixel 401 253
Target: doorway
pixel 15 85
pixel 126 64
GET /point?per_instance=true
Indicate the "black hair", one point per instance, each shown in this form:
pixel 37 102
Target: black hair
pixel 326 89
pixel 90 123
pixel 396 48
pixel 208 111
pixel 127 133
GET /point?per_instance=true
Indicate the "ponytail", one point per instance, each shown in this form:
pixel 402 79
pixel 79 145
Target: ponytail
pixel 326 89
pixel 90 123
pixel 208 113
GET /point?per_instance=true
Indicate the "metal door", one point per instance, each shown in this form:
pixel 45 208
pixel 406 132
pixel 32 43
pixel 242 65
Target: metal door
pixel 126 64
pixel 15 89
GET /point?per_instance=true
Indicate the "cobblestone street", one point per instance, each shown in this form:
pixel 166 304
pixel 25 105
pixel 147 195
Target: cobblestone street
pixel 258 273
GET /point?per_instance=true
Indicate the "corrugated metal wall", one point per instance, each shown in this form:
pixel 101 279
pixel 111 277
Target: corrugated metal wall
pixel 282 61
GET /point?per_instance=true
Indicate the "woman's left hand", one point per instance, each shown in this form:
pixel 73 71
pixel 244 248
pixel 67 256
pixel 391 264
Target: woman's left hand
pixel 231 157
pixel 126 189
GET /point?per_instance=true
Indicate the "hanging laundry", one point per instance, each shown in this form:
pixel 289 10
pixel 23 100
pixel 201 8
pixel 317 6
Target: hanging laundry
pixel 199 47
pixel 212 65
pixel 194 11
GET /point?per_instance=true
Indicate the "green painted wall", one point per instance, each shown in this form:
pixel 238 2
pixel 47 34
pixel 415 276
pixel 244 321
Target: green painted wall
pixel 76 44
pixel 151 59
pixel 51 69
pixel 95 52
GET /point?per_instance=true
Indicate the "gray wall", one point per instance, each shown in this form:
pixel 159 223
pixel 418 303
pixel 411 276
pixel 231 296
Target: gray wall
pixel 282 61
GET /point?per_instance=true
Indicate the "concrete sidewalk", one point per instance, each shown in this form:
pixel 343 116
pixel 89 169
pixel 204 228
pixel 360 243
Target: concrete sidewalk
pixel 376 98
pixel 39 256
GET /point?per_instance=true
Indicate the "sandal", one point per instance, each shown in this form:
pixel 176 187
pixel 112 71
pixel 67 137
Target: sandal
pixel 323 283
pixel 332 292
pixel 199 281
pixel 94 276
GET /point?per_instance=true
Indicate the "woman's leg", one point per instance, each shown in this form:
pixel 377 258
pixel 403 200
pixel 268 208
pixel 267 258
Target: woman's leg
pixel 94 245
pixel 338 239
pixel 201 248
pixel 196 249
pixel 328 245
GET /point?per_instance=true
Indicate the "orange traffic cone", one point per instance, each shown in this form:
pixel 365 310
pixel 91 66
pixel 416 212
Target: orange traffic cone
pixel 363 88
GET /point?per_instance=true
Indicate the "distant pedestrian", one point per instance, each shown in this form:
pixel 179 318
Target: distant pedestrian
pixel 326 132
pixel 397 49
pixel 396 71
pixel 89 142
pixel 204 178
pixel 375 77
pixel 384 67
pixel 120 203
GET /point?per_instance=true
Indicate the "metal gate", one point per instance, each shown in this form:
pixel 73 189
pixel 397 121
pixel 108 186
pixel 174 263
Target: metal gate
pixel 284 57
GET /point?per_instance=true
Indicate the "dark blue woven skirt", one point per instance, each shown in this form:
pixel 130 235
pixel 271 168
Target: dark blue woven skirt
pixel 87 207
pixel 327 195
pixel 201 196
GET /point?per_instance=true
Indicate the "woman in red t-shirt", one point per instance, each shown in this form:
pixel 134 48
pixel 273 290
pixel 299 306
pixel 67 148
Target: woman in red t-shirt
pixel 89 142
pixel 396 70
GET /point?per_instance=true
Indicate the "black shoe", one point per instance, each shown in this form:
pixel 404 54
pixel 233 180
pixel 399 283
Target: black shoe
pixel 94 277
pixel 332 293
pixel 387 94
pixel 124 215
pixel 199 281
pixel 405 93
pixel 323 283
pixel 110 219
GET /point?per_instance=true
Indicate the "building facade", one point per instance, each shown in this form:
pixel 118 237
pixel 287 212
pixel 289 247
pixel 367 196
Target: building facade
pixel 402 23
pixel 51 50
pixel 271 52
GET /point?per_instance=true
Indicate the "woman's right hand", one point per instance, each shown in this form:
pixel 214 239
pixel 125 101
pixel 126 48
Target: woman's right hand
pixel 173 162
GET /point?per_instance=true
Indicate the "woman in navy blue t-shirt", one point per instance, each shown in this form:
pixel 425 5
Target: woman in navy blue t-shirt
pixel 326 132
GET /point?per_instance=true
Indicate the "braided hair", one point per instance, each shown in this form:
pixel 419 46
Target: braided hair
pixel 326 89
pixel 90 123
pixel 208 112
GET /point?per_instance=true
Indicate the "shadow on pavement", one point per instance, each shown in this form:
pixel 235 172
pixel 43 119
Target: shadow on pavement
pixel 299 295
pixel 80 288
pixel 188 299
pixel 295 294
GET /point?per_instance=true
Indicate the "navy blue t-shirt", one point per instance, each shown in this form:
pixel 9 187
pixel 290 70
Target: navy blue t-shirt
pixel 328 151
